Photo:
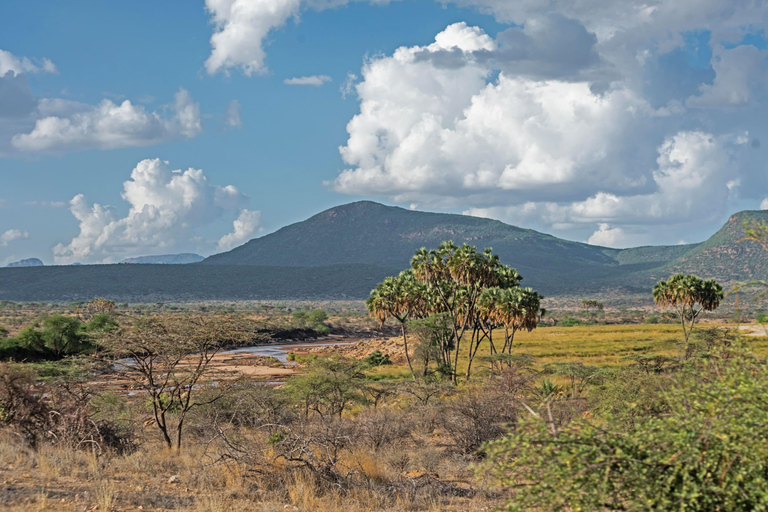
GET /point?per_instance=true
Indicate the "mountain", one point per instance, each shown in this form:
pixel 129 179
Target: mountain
pixel 29 262
pixel 166 259
pixel 344 251
pixel 374 234
pixel 724 256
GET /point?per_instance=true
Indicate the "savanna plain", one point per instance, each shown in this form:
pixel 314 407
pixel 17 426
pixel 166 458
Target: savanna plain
pixel 340 405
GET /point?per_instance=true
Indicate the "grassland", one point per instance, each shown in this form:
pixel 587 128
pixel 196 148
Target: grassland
pixel 233 461
pixel 605 346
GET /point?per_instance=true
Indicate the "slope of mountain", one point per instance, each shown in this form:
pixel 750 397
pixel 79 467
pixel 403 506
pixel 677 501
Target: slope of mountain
pixel 153 283
pixel 29 262
pixel 166 259
pixel 343 252
pixel 370 233
pixel 723 256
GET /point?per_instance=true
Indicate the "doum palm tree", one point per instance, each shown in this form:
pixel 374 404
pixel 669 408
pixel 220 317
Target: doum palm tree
pixel 689 295
pixel 450 281
pixel 514 309
pixel 399 298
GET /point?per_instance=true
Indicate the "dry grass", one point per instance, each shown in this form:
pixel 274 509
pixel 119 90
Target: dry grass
pixel 62 478
pixel 57 477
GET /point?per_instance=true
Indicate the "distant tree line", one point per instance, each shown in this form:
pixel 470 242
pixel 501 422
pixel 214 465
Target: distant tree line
pixel 57 336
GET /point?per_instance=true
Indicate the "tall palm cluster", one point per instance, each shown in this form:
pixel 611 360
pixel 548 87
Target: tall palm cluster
pixel 472 288
pixel 690 295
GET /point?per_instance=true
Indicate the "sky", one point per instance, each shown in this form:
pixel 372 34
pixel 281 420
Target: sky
pixel 138 128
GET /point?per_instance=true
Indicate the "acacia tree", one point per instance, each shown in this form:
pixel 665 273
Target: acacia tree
pixel 168 356
pixel 689 295
pixel 63 335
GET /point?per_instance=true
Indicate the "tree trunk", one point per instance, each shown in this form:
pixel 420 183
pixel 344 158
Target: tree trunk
pixel 511 340
pixel 407 357
pixel 455 372
pixel 491 349
pixel 178 433
pixel 470 354
pixel 160 420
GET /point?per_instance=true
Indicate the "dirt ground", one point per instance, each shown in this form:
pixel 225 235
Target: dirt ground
pixel 227 365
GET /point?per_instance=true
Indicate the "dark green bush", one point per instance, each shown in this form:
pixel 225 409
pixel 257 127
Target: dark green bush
pixel 707 451
pixel 376 358
pixel 651 319
pixel 571 322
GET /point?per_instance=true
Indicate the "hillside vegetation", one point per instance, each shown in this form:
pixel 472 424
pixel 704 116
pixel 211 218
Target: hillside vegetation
pixel 344 251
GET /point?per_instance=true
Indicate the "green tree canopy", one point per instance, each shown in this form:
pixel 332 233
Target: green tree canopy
pixel 689 295
pixel 63 335
pixel 451 280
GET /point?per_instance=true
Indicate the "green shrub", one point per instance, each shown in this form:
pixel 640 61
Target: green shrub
pixel 706 452
pixel 651 319
pixel 318 316
pixel 376 358
pixel 276 437
pixel 570 322
pixel 762 319
pixel 16 350
pixel 329 387
pixel 102 322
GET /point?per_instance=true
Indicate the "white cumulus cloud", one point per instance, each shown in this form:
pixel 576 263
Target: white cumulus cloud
pixel 240 29
pixel 11 236
pixel 243 229
pixel 17 65
pixel 608 236
pixel 242 26
pixel 430 130
pixel 691 181
pixel 314 80
pixel 165 208
pixel 740 73
pixel 109 125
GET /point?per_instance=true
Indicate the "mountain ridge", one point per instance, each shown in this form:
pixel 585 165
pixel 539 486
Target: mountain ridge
pixel 344 251
pixel 404 231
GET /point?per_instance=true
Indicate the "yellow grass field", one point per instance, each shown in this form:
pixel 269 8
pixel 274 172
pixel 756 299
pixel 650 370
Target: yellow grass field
pixel 598 345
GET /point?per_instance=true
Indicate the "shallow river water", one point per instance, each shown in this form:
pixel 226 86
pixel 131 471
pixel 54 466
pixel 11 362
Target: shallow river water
pixel 280 351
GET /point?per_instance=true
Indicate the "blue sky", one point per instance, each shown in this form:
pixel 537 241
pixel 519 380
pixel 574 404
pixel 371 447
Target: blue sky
pixel 621 131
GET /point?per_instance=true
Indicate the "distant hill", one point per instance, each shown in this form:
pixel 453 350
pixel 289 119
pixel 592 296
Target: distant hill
pixel 344 251
pixel 722 257
pixel 166 259
pixel 374 234
pixel 29 262
pixel 161 283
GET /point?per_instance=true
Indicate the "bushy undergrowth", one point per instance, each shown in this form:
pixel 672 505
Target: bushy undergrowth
pixel 54 337
pixel 679 431
pixel 693 439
